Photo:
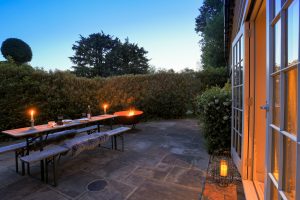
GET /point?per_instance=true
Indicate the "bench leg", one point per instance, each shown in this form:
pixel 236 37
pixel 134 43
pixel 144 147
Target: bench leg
pixel 122 138
pixel 17 161
pixel 42 170
pixel 115 142
pixel 23 166
pixel 28 168
pixel 46 170
pixel 54 171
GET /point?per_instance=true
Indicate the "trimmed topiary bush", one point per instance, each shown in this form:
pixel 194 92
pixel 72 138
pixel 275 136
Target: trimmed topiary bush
pixel 214 110
pixel 17 50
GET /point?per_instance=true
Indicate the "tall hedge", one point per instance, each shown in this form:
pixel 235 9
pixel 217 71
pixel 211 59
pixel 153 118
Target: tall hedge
pixel 161 95
pixel 164 95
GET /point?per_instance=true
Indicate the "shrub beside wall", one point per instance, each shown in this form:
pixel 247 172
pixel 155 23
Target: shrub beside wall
pixel 214 110
pixel 161 95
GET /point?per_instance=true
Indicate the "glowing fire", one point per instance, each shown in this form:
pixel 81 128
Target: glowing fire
pixel 131 113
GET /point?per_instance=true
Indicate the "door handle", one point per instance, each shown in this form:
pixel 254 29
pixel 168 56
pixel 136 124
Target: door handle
pixel 265 107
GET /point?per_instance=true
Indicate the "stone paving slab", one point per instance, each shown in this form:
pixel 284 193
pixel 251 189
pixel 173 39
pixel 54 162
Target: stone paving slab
pixel 162 160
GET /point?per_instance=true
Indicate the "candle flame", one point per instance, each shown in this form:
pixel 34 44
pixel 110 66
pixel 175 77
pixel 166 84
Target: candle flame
pixel 31 112
pixel 105 105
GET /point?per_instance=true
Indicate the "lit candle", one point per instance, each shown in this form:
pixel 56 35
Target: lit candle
pixel 31 114
pixel 105 107
pixel 223 168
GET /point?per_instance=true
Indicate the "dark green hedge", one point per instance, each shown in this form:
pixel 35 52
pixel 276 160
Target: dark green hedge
pixel 214 110
pixel 161 95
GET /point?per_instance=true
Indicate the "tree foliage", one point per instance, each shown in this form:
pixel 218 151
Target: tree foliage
pixel 210 26
pixel 17 50
pixel 104 55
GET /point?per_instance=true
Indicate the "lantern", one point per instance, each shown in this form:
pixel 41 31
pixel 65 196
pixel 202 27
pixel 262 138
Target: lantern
pixel 223 168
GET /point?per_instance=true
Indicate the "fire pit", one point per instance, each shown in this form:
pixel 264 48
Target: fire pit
pixel 129 117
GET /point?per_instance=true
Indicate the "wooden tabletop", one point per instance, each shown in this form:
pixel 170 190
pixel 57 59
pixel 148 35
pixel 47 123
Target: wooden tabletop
pixel 28 132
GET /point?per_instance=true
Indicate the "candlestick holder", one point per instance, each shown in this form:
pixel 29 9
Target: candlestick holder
pixel 32 124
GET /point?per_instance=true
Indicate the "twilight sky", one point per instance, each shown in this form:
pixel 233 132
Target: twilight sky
pixel 165 28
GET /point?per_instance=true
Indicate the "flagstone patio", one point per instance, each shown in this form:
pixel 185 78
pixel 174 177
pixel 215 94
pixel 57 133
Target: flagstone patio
pixel 163 160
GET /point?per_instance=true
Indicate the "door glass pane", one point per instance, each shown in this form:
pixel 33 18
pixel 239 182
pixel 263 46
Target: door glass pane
pixel 276 100
pixel 275 154
pixel 277 6
pixel 293 32
pixel 291 101
pixel 274 192
pixel 277 45
pixel 289 166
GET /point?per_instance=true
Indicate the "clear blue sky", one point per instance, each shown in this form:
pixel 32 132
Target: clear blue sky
pixel 165 28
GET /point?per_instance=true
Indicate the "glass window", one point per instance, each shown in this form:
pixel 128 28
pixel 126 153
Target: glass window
pixel 276 100
pixel 277 6
pixel 293 32
pixel 291 102
pixel 289 166
pixel 277 45
pixel 274 192
pixel 275 154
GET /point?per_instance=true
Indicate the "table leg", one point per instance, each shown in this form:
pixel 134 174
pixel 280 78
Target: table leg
pixel 111 123
pixel 98 127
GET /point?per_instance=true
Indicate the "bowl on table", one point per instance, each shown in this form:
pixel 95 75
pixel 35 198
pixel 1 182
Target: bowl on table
pixel 67 121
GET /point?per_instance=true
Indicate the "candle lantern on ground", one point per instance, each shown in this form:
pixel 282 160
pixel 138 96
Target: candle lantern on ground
pixel 223 168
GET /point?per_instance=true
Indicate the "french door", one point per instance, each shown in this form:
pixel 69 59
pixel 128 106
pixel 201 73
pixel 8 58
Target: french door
pixel 283 132
pixel 237 98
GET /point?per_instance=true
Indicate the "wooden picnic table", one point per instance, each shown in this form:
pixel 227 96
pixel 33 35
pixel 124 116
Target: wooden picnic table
pixel 31 135
pixel 38 130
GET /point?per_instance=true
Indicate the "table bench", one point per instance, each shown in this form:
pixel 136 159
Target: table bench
pixel 18 148
pixel 46 156
pixel 75 145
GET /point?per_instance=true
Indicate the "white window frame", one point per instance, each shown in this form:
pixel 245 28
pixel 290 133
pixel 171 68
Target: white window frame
pixel 271 20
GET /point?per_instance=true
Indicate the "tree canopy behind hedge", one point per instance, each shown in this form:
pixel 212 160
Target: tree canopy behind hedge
pixel 17 50
pixel 210 26
pixel 103 55
pixel 161 95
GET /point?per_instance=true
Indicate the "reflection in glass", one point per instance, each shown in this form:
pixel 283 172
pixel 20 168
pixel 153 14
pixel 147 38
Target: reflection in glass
pixel 289 166
pixel 276 100
pixel 293 34
pixel 274 192
pixel 290 116
pixel 277 45
pixel 275 154
pixel 277 6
